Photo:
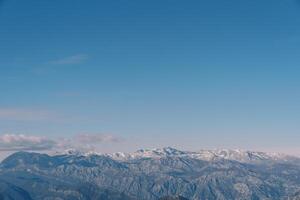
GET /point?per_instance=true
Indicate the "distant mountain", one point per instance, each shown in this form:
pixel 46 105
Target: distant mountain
pixel 155 174
pixel 208 155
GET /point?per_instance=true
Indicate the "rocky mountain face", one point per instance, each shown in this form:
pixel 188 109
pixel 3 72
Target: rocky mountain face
pixel 173 198
pixel 151 175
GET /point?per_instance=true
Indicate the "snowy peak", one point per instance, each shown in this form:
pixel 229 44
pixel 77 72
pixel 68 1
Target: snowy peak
pixel 167 151
pixel 207 155
pixel 236 155
pixel 75 152
pixel 149 153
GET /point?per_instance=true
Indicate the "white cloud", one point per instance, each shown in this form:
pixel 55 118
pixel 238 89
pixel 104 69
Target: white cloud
pixel 21 142
pixel 86 142
pixel 75 59
pixel 13 142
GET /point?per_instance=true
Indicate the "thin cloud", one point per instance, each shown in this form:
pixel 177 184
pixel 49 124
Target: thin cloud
pixel 21 142
pixel 87 142
pixel 25 114
pixel 13 142
pixel 96 138
pixel 75 59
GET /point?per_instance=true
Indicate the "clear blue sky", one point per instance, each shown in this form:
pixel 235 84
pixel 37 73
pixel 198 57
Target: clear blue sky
pixel 194 74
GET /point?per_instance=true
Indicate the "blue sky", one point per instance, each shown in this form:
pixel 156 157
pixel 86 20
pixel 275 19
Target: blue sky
pixel 190 74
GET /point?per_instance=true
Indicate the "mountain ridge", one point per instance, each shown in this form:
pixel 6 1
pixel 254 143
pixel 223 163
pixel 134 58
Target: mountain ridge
pixel 154 174
pixel 229 154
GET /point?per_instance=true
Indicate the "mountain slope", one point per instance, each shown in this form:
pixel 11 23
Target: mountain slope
pixel 155 174
pixel 9 191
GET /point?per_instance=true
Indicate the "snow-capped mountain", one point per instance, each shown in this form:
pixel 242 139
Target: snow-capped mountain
pixel 155 174
pixel 208 155
pixel 149 153
pixel 237 155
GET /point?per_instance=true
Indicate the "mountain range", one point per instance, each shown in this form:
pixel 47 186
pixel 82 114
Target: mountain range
pixel 154 174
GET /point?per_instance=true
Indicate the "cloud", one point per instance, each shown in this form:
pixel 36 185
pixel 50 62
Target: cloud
pixel 87 142
pixel 21 142
pixel 96 138
pixel 13 142
pixel 55 66
pixel 75 59
pixel 25 114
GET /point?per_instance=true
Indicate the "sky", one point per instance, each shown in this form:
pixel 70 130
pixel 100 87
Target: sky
pixel 123 75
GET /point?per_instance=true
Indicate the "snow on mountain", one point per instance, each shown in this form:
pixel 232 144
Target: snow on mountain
pixel 149 153
pixel 75 152
pixel 237 155
pixel 207 155
pixel 152 174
